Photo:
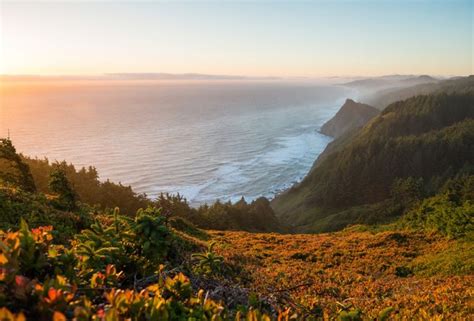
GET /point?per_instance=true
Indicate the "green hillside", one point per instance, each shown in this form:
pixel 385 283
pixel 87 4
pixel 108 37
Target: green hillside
pixel 426 138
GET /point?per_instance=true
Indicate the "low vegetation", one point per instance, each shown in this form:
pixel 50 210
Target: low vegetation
pixel 406 274
pixel 141 268
pixel 108 266
pixel 40 280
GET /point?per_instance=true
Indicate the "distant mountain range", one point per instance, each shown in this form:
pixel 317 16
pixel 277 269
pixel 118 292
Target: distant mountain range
pixel 383 98
pixel 390 81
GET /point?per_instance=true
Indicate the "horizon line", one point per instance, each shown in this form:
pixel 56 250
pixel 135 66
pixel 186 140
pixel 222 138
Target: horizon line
pixel 192 76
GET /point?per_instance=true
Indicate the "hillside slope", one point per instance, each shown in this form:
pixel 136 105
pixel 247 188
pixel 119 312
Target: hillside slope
pixel 352 115
pixel 426 137
pixel 365 271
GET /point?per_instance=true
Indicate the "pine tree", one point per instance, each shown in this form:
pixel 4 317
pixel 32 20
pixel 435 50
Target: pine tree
pixel 60 185
pixel 9 154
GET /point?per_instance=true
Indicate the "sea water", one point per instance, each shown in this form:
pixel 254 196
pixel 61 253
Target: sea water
pixel 205 140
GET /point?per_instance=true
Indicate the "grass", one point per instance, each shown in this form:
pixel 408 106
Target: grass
pixel 415 273
pixel 457 259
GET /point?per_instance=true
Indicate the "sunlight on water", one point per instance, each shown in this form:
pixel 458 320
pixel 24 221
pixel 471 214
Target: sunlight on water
pixel 207 141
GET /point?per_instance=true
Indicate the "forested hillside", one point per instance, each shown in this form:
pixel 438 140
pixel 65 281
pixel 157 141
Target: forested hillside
pixel 429 139
pixel 90 189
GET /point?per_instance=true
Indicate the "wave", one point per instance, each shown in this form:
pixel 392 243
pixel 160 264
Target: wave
pixel 206 142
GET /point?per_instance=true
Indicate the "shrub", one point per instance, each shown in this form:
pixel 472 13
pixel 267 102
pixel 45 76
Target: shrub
pixel 152 235
pixel 27 292
pixel 451 212
pixel 457 259
pixel 208 262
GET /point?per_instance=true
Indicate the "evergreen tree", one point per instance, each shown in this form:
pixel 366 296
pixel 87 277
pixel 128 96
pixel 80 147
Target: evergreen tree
pixel 60 185
pixel 23 179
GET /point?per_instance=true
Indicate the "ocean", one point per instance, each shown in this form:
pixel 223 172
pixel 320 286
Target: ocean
pixel 206 140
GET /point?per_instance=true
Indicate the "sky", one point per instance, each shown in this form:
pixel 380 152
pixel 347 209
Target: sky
pixel 260 38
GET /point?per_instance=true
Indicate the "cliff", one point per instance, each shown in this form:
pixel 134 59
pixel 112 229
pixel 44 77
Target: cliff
pixel 352 115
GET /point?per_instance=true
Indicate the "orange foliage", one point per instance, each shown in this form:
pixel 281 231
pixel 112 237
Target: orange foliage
pixel 326 273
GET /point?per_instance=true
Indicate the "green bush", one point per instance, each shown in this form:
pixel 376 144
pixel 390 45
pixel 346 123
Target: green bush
pixel 450 213
pixel 208 263
pixel 37 210
pixel 152 235
pixel 457 259
pixel 29 286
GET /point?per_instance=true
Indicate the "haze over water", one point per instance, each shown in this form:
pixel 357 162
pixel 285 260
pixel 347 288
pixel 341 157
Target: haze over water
pixel 205 140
